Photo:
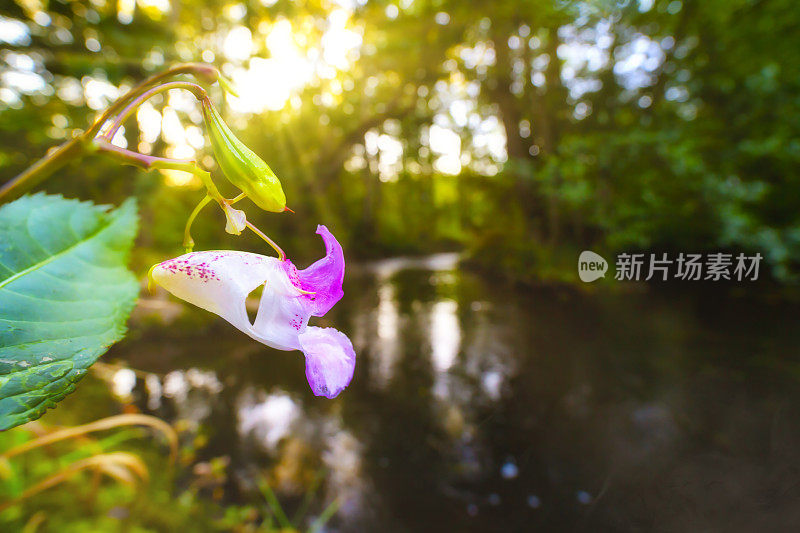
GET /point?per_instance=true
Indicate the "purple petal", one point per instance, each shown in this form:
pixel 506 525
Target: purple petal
pixel 324 277
pixel 330 360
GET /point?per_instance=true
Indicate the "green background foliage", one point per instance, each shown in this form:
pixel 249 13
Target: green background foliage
pixel 65 294
pixel 623 125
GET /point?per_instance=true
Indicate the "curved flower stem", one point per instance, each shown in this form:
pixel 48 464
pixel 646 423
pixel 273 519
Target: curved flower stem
pixel 146 162
pixel 149 162
pixel 80 145
pixel 188 242
pixel 195 89
pixel 281 255
pixel 200 70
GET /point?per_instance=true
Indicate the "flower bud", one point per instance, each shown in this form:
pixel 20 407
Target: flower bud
pixel 241 166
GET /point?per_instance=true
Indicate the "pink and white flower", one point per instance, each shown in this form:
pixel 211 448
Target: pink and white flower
pixel 220 281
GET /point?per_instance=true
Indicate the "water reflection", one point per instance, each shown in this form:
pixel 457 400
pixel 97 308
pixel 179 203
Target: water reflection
pixel 267 418
pixel 445 334
pixel 386 335
pixel 481 407
pixel 346 483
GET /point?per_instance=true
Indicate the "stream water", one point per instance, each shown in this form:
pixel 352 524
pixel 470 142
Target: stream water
pixel 477 406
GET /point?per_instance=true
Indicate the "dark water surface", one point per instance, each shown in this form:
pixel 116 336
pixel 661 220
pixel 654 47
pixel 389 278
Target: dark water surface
pixel 481 407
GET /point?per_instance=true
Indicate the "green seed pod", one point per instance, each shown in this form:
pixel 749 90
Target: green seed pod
pixel 241 166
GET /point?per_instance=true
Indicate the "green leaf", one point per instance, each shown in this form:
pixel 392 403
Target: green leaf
pixel 65 295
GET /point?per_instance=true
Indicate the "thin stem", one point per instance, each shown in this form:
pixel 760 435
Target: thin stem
pixel 241 196
pixel 281 255
pixel 118 461
pixel 150 162
pixel 100 425
pixel 326 515
pixel 195 89
pixel 136 159
pixel 188 242
pixel 201 70
pixel 78 146
pixel 192 168
pixel 42 169
pixel 275 506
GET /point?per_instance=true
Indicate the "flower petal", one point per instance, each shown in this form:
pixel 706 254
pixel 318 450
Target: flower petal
pixel 282 315
pixel 330 360
pixel 220 281
pixel 236 220
pixel 324 278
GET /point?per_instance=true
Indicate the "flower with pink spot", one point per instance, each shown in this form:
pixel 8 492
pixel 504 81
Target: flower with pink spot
pixel 220 281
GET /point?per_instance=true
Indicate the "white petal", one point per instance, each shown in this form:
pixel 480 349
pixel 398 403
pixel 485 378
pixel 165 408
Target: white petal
pixel 282 313
pixel 235 220
pixel 220 281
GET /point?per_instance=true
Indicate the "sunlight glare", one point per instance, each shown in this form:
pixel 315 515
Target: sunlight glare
pixel 123 382
pixel 98 93
pixel 14 32
pixel 269 83
pixel 339 42
pixel 149 123
pixel 238 44
pixel 160 5
pixel 447 144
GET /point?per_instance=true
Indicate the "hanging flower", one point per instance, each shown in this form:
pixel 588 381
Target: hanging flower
pixel 220 281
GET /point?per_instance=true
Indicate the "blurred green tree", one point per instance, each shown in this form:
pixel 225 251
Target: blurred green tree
pixel 521 130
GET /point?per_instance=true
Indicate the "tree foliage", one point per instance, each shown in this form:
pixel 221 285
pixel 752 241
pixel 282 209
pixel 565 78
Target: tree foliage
pixel 613 125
